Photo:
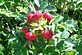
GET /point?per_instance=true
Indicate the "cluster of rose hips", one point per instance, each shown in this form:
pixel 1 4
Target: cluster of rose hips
pixel 34 17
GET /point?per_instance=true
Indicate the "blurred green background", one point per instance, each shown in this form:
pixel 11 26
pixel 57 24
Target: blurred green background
pixel 67 18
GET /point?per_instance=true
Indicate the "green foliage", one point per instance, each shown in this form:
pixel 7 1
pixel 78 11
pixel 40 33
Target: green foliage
pixel 66 26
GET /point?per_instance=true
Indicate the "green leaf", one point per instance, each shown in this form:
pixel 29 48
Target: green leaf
pixel 79 4
pixel 20 37
pixel 58 5
pixel 51 8
pixel 40 54
pixel 70 52
pixel 79 47
pixel 69 43
pixel 43 5
pixel 11 39
pixel 15 45
pixel 63 25
pixel 17 52
pixel 57 19
pixel 39 44
pixel 60 44
pixel 65 17
pixel 62 1
pixel 65 34
pixel 1 47
pixel 23 51
pixel 53 28
pixel 1 3
pixel 37 3
pixel 49 50
pixel 70 23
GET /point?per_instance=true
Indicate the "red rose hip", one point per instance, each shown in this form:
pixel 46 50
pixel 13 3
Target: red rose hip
pixel 47 34
pixel 30 17
pixel 37 15
pixel 30 36
pixel 24 29
pixel 47 16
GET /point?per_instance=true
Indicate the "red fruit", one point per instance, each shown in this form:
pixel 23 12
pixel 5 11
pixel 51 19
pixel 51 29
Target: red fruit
pixel 30 36
pixel 47 16
pixel 30 17
pixel 24 29
pixel 47 34
pixel 37 15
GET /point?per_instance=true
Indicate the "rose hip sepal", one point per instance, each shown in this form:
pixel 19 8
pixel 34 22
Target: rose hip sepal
pixel 24 29
pixel 47 34
pixel 47 16
pixel 30 36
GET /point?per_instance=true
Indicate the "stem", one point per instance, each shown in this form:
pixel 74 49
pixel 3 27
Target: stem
pixel 32 7
pixel 64 7
pixel 47 42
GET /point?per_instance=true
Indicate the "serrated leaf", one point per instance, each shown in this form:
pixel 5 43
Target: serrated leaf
pixel 64 35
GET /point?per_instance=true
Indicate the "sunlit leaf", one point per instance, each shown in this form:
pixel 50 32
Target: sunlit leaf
pixel 57 19
pixel 64 35
pixel 70 23
pixel 37 3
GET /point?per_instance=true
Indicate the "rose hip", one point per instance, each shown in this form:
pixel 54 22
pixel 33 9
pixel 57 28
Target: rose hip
pixel 47 34
pixel 47 16
pixel 30 36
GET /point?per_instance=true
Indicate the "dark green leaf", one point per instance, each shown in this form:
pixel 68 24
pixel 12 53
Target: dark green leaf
pixel 49 50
